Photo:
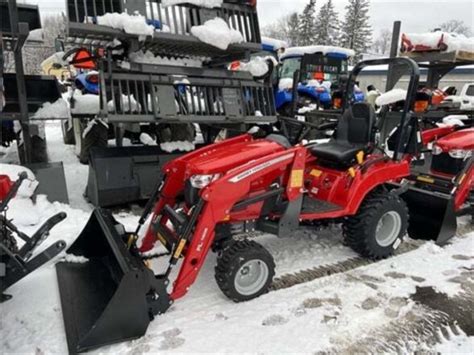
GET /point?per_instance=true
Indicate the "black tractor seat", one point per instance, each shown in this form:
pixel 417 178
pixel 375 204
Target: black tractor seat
pixel 354 134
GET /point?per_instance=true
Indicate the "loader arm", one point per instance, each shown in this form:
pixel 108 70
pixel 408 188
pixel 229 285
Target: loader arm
pixel 219 197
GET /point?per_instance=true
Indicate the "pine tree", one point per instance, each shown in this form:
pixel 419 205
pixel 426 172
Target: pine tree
pixel 327 25
pixel 293 26
pixel 307 24
pixel 356 30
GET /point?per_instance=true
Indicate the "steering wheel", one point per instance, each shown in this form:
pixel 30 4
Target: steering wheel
pixel 304 128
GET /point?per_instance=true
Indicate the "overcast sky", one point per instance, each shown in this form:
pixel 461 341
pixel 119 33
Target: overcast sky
pixel 416 15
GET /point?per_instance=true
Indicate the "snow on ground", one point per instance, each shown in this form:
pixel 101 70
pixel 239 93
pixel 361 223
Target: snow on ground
pixel 355 311
pixel 216 32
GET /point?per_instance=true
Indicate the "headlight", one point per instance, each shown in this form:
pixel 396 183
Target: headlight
pixel 436 150
pixel 460 153
pixel 201 181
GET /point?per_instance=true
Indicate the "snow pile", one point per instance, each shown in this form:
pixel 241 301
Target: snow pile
pixel 285 83
pixel 149 58
pixel 28 186
pixel 182 146
pixel 309 108
pixel 36 35
pixel 433 40
pixel 127 103
pixel 201 3
pixel 391 97
pixel 146 139
pixel 300 51
pixel 453 120
pixel 132 24
pixel 87 104
pixel 217 33
pixel 258 66
pixel 276 44
pixel 77 259
pixel 58 109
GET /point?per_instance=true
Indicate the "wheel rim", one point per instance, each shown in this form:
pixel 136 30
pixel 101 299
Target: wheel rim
pixel 388 228
pixel 251 277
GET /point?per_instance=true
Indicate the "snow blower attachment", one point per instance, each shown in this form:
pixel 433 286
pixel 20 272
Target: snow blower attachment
pixel 109 295
pixel 17 262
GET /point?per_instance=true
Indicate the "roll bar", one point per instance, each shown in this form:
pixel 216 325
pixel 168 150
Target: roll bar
pixel 400 66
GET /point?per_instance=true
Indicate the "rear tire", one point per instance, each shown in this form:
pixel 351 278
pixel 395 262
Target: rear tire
pixel 244 270
pixel 96 137
pixel 378 227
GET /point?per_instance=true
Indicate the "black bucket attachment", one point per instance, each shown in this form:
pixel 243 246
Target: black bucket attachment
pixel 26 13
pixel 432 215
pixel 52 181
pixel 113 296
pixel 39 89
pixel 124 174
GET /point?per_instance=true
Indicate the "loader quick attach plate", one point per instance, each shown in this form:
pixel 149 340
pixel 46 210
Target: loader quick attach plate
pixel 111 297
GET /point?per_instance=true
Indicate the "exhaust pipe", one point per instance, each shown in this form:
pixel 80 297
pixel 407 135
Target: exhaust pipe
pixel 112 296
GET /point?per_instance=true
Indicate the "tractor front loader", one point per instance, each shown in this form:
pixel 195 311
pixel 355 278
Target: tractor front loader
pixel 245 183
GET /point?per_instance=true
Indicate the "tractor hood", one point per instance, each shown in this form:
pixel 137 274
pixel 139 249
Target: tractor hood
pixel 462 139
pixel 226 157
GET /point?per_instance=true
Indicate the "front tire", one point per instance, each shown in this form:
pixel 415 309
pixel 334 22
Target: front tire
pixel 244 270
pixel 378 228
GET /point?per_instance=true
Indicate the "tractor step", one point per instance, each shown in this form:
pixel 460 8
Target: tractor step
pixel 313 205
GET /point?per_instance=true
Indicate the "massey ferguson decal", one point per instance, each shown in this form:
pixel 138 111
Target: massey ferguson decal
pixel 260 167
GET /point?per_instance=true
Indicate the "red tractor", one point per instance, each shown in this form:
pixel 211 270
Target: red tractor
pixel 445 183
pixel 239 185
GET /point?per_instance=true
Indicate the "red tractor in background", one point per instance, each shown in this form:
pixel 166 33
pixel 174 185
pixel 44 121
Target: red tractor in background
pixel 244 184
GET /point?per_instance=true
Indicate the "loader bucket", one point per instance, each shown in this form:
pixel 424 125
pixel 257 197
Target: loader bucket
pixel 26 13
pixel 112 296
pixel 432 215
pixel 39 89
pixel 122 175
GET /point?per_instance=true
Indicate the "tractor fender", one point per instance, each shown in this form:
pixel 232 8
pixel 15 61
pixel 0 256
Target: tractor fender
pixel 376 176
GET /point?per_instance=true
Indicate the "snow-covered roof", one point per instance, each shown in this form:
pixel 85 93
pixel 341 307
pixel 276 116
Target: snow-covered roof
pixel 274 43
pixel 300 51
pixel 384 67
pixel 202 3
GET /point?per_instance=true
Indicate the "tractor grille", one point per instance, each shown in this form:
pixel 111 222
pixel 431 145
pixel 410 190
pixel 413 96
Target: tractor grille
pixel 445 164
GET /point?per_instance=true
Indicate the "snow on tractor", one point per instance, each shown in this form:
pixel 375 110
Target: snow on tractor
pixel 237 186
